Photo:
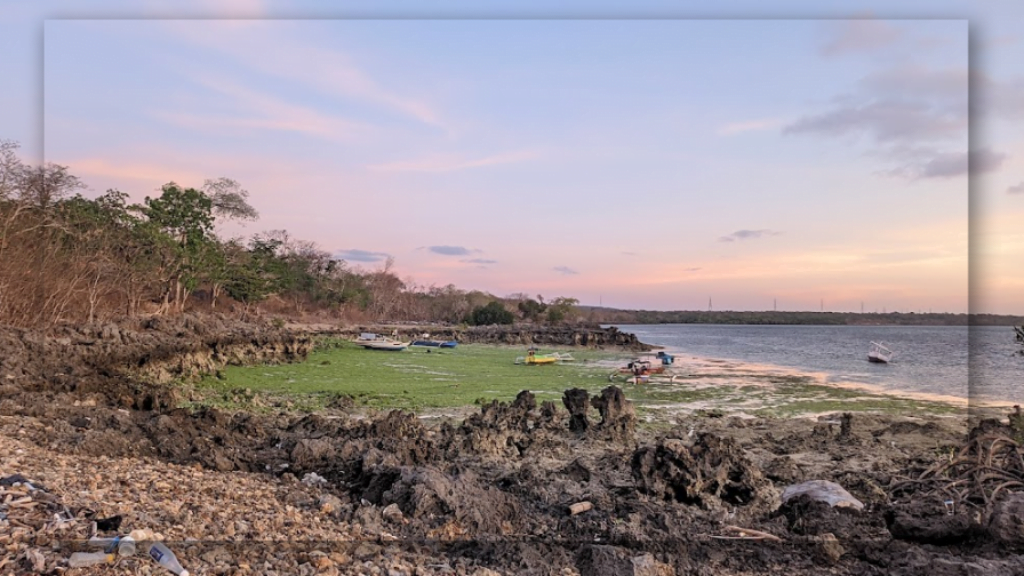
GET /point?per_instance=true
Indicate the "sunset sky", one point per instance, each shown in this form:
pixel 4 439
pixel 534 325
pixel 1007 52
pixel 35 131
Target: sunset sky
pixel 802 157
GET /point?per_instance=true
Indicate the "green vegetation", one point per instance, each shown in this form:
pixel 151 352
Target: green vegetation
pixel 427 379
pixel 68 258
pixel 492 313
pixel 418 378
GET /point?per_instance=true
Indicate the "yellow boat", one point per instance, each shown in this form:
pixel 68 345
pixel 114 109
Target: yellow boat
pixel 552 358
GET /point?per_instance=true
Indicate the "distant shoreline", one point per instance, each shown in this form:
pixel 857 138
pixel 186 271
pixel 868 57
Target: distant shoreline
pixel 608 316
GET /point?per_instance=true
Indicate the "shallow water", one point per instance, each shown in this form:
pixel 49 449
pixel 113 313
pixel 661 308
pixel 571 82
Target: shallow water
pixel 976 364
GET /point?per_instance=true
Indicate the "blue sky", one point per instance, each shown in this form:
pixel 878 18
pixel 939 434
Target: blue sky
pixel 793 156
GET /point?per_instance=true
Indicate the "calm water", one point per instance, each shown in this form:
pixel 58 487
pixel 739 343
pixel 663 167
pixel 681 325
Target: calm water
pixel 979 363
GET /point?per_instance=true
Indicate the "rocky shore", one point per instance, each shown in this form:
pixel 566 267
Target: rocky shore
pixel 586 336
pixel 88 432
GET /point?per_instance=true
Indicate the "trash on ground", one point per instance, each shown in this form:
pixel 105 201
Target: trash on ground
pixel 823 491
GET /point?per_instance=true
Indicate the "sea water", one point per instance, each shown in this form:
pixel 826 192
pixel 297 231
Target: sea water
pixel 978 363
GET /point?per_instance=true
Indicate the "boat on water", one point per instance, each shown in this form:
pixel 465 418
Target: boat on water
pixel 372 341
pixel 879 353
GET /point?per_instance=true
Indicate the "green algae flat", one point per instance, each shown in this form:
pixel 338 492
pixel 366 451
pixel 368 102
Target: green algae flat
pixel 420 377
pixel 429 380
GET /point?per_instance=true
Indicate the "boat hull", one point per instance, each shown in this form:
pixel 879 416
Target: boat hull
pixel 435 343
pixel 384 346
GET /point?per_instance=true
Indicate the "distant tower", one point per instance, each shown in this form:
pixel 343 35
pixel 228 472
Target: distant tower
pixel 861 306
pixel 775 305
pixel 709 303
pixel 822 304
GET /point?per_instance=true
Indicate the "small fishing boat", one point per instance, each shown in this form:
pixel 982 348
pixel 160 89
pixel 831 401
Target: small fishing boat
pixel 553 358
pixel 372 341
pixel 879 353
pixel 640 371
pixel 639 366
pixel 435 343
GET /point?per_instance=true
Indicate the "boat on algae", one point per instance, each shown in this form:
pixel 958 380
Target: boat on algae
pixel 533 358
pixel 372 341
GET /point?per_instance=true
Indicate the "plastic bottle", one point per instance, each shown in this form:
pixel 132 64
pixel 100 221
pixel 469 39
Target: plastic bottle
pixel 126 546
pixel 164 557
pixel 83 559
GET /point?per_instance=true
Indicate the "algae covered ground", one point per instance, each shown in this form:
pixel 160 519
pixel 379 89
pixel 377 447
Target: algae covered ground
pixel 418 378
pixel 430 380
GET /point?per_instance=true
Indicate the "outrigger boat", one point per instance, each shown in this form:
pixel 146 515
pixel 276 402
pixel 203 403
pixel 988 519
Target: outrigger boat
pixel 879 353
pixel 640 366
pixel 639 371
pixel 372 341
pixel 554 357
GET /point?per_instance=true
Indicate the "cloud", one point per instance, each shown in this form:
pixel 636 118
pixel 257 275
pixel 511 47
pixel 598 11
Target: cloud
pixel 748 235
pixel 565 270
pixel 1018 189
pixel 749 126
pixel 861 36
pixel 450 250
pixel 479 261
pixel 450 163
pixel 885 121
pixel 269 48
pixel 355 255
pixel 913 116
pixel 931 164
pixel 1005 99
pixel 255 109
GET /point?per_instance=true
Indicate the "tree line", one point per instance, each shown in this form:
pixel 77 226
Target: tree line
pixel 68 258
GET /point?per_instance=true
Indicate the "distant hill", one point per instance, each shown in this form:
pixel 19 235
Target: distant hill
pixel 612 315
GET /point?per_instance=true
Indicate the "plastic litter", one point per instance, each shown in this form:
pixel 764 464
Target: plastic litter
pixel 313 479
pixel 823 491
pixel 123 545
pixel 83 559
pixel 164 557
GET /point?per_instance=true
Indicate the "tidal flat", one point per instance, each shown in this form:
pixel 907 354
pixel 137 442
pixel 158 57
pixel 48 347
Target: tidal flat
pixel 431 381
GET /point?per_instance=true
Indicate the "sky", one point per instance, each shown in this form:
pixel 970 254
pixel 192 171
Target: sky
pixel 651 156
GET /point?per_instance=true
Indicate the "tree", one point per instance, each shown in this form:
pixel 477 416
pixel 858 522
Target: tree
pixel 256 274
pixel 562 309
pixel 229 199
pixel 493 313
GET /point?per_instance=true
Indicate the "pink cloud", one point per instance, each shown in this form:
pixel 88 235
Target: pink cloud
pixel 268 49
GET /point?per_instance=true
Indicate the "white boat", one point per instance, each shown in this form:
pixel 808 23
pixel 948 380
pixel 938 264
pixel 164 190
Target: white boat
pixel 879 353
pixel 372 341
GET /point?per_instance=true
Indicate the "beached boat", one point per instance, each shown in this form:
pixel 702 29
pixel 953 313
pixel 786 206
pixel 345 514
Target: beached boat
pixel 553 358
pixel 640 371
pixel 639 366
pixel 879 353
pixel 435 343
pixel 372 341
pixel 1020 333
